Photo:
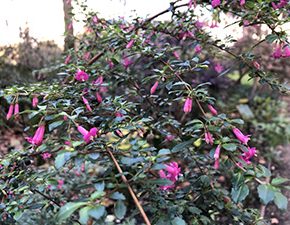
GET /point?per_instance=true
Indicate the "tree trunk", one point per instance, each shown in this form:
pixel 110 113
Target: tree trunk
pixel 68 22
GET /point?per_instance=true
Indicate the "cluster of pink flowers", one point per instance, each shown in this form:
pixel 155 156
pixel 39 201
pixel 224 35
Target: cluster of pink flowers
pixel 12 108
pixel 37 138
pixel 172 172
pixel 281 53
pixel 281 4
pixel 208 138
pixel 215 3
pixel 88 135
pixel 81 75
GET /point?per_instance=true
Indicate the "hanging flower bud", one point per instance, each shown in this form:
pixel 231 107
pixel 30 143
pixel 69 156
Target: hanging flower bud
pixel 212 110
pixel 87 104
pixel 99 97
pixel 34 101
pixel 10 112
pixel 208 138
pixel 38 136
pixel 187 105
pixel 119 133
pixel 217 156
pixel 130 44
pixel 88 135
pixel 16 110
pixel 153 88
pixel 242 2
pixel 176 55
pixel 67 59
pixel 240 136
pixel 286 52
pixel 99 81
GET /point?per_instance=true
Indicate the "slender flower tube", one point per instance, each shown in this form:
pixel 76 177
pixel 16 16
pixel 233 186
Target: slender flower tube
pixel 240 136
pixel 34 101
pixel 67 59
pixel 88 135
pixel 187 105
pixel 37 139
pixel 153 88
pixel 87 104
pixel 10 112
pixel 172 172
pixel 212 110
pixel 99 97
pixel 130 44
pixel 242 2
pixel 208 138
pixel 16 110
pixel 217 157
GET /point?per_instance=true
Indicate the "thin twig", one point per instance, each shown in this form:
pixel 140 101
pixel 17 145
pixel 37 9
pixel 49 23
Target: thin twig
pixel 129 188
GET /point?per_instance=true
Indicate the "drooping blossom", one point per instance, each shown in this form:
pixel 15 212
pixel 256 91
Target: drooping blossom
pixel 98 81
pixel 242 2
pixel 95 19
pixel 46 155
pixel 214 24
pixel 60 184
pixel 192 2
pixel 99 97
pixel 240 136
pixel 169 137
pixel 215 3
pixel 68 143
pixel 218 67
pixel 119 133
pixel 184 35
pixel 127 62
pixel 130 44
pixel 154 87
pixel 246 23
pixel 216 157
pixel 87 56
pixel 281 4
pixel 286 52
pixel 257 65
pixel 197 49
pixel 10 112
pixel 16 110
pixel 37 139
pixel 176 55
pixel 88 135
pixel 199 24
pixel 81 75
pixel 172 172
pixel 187 105
pixel 212 110
pixel 87 104
pixel 34 101
pixel 277 52
pixel 246 156
pixel 67 59
pixel 208 138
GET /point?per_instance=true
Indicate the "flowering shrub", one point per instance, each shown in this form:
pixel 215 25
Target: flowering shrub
pixel 129 133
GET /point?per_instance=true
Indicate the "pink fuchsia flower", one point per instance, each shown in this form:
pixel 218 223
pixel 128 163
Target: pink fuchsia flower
pixel 99 97
pixel 81 75
pixel 87 104
pixel 199 24
pixel 99 81
pixel 34 101
pixel 246 156
pixel 68 143
pixel 242 2
pixel 38 136
pixel 281 4
pixel 67 59
pixel 240 136
pixel 65 118
pixel 172 172
pixel 60 184
pixel 95 19
pixel 214 24
pixel 257 65
pixel 286 52
pixel 187 105
pixel 127 62
pixel 215 3
pixel 212 110
pixel 176 55
pixel 169 137
pixel 277 52
pixel 208 138
pixel 88 135
pixel 16 110
pixel 154 87
pixel 216 157
pixel 218 68
pixel 130 44
pixel 192 2
pixel 246 23
pixel 197 49
pixel 10 112
pixel 46 155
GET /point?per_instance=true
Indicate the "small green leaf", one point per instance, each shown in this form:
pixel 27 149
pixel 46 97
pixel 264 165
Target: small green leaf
pixel 120 209
pixel 54 125
pixel 229 147
pixel 68 209
pixel 178 221
pixel 281 201
pixel 266 193
pixel 279 180
pixel 160 182
pixel 97 194
pixel 240 193
pixel 61 159
pixel 181 146
pixel 84 214
pixel 117 196
pixel 97 212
